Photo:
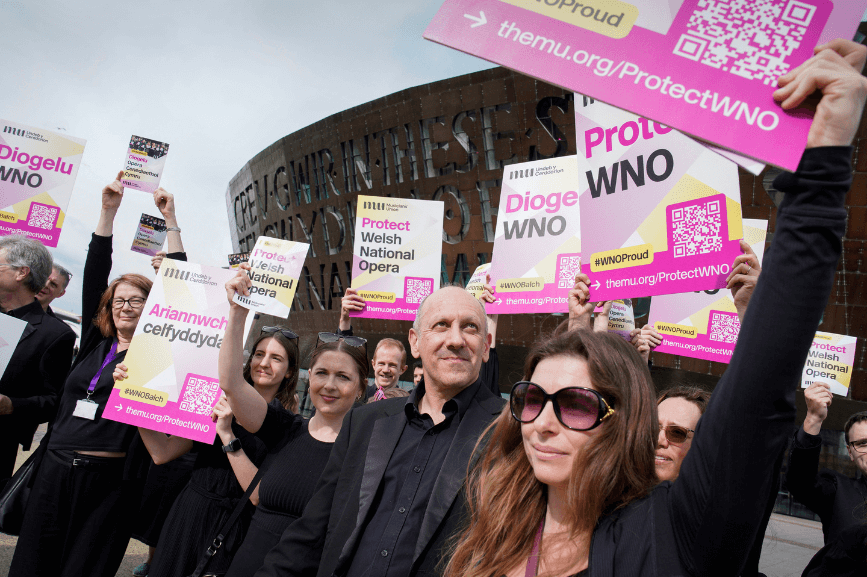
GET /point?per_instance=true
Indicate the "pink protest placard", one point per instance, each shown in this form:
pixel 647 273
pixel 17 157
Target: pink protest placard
pixel 703 324
pixel 706 67
pixel 173 382
pixel 537 246
pixel 660 213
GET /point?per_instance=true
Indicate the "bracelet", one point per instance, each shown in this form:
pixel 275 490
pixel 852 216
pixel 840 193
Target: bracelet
pixel 173 229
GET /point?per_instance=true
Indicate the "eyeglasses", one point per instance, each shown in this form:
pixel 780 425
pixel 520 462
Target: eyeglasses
pixel 676 434
pixel 134 302
pixel 859 446
pixel 334 337
pixel 286 332
pixel 577 408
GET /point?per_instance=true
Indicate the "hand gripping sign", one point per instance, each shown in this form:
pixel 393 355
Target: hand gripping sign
pixel 37 174
pixel 173 383
pixel 703 324
pixel 706 67
pixel 537 246
pixel 397 255
pixel 660 213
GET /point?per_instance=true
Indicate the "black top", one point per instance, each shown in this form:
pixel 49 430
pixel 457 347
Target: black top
pixel 212 471
pixel 845 556
pixel 705 522
pixel 292 474
pixel 388 542
pixel 490 373
pixel 74 433
pixel 840 501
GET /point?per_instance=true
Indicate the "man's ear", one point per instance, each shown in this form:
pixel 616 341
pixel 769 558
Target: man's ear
pixel 22 273
pixel 487 353
pixel 413 344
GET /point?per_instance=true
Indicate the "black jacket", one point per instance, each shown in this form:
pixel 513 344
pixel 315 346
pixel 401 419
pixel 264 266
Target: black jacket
pixel 36 372
pixel 705 522
pixel 840 501
pixel 323 539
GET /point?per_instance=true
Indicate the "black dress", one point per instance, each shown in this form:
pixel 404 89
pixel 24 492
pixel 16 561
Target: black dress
pixel 287 485
pixel 201 508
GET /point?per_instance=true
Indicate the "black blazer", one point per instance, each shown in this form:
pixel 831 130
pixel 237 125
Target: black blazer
pixel 321 542
pixel 36 372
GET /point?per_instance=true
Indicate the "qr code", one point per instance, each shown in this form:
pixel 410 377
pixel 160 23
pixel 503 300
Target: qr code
pixel 199 395
pixel 696 229
pixel 416 289
pixel 724 327
pixel 568 266
pixel 754 39
pixel 42 216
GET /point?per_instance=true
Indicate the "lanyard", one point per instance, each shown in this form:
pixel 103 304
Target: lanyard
pixel 533 560
pixel 110 357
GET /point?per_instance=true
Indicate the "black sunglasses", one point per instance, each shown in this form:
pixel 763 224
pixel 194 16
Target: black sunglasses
pixel 577 408
pixel 334 337
pixel 286 332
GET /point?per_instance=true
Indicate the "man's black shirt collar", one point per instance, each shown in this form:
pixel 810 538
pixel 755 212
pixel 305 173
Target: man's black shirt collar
pixel 457 404
pixel 21 311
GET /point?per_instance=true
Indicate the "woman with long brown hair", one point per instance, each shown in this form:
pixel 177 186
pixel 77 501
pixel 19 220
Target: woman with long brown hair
pixel 565 485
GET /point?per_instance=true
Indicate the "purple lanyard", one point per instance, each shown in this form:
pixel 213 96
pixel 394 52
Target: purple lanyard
pixel 110 357
pixel 533 561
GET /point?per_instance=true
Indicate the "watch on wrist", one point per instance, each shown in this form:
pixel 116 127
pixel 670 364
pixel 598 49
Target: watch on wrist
pixel 172 228
pixel 233 446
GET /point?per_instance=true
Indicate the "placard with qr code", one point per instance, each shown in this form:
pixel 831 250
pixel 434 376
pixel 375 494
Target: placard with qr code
pixel 397 255
pixel 704 324
pixel 706 67
pixel 537 244
pixel 145 161
pixel 660 213
pixel 173 383
pixel 37 174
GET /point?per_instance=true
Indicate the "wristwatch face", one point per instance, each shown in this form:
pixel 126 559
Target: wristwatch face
pixel 233 446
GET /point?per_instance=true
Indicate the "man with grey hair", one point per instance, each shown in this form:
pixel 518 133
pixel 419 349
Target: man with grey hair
pixel 55 287
pixel 390 496
pixel 31 384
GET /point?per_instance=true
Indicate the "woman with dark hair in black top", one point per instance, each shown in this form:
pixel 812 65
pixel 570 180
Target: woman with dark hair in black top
pixel 86 492
pixel 298 449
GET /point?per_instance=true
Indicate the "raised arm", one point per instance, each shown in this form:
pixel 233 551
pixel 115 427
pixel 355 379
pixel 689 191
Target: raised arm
pixel 165 202
pixel 164 448
pixel 803 479
pixel 241 464
pixel 350 302
pixel 580 310
pixel 743 278
pixel 717 503
pixel 248 405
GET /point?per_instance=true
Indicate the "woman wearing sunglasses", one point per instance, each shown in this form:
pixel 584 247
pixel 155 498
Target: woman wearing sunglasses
pixel 679 409
pixel 566 484
pixel 298 449
pixel 222 470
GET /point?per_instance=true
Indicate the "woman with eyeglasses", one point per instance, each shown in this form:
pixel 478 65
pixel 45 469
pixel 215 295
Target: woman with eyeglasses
pixel 80 513
pixel 299 449
pixel 566 483
pixel 679 409
pixel 222 470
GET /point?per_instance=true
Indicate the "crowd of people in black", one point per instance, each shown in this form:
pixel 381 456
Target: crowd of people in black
pixel 584 471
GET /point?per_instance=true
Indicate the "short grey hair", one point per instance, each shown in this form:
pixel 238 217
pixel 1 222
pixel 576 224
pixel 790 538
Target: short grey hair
pixel 67 276
pixel 21 251
pixel 416 324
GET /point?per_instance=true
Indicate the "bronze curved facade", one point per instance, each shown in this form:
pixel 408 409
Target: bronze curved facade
pixel 449 141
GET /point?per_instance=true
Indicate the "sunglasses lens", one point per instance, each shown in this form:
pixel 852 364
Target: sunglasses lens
pixel 579 409
pixel 328 337
pixel 533 403
pixel 354 341
pixel 676 434
pixel 521 393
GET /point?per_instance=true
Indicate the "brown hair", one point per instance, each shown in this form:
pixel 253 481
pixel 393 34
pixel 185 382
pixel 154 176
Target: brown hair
pixel 392 393
pixel 103 320
pixel 699 397
pixel 394 343
pixel 614 467
pixel 357 354
pixel 286 391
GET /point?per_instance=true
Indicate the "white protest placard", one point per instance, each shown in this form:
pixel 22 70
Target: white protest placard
pixel 275 269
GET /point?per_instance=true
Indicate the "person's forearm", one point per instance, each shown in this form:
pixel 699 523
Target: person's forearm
pixel 162 448
pixel 248 406
pixel 492 329
pixel 173 237
pixel 812 424
pixel 345 322
pixel 105 225
pixel 244 470
pixel 600 323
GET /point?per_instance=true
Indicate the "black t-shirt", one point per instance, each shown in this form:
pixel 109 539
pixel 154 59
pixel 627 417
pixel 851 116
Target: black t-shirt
pixel 75 433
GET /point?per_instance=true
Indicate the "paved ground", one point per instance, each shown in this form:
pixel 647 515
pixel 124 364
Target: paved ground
pixel 789 545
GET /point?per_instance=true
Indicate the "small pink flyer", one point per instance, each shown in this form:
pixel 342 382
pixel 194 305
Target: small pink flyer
pixel 173 381
pixel 660 213
pixel 706 67
pixel 703 324
pixel 145 161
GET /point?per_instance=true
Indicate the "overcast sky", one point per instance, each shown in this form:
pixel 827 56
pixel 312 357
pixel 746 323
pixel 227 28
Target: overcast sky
pixel 219 81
